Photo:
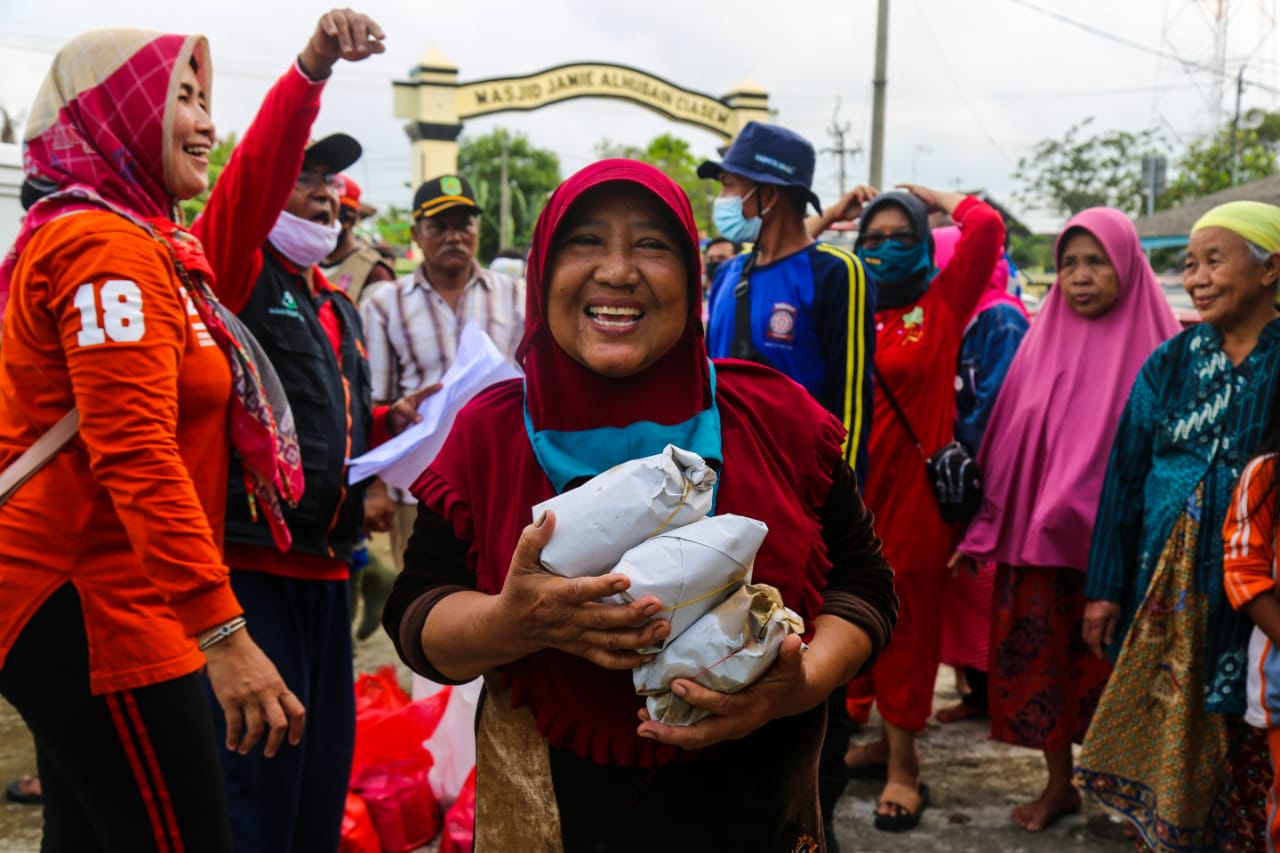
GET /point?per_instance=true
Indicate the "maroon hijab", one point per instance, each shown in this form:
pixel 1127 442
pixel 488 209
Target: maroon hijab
pixel 673 389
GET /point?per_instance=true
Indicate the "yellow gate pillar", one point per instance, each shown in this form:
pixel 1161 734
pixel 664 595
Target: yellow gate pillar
pixel 747 101
pixel 429 99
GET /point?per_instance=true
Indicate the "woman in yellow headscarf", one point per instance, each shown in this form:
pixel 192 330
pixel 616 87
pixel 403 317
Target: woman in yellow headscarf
pixel 1167 749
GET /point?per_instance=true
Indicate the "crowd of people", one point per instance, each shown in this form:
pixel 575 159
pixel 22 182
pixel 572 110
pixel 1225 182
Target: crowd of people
pixel 1076 510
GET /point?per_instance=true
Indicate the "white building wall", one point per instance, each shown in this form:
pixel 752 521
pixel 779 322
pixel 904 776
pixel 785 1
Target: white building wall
pixel 10 184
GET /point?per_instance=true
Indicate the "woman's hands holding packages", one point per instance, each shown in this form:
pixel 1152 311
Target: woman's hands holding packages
pixel 798 680
pixel 549 611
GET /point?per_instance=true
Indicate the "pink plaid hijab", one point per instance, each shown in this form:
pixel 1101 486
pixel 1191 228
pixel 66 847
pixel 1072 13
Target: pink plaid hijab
pixel 97 139
pixel 97 130
pixel 1044 454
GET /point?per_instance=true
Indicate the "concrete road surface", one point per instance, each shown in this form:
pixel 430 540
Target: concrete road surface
pixel 974 782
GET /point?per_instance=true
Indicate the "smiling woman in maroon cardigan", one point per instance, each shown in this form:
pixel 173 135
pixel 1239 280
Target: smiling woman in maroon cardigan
pixel 616 368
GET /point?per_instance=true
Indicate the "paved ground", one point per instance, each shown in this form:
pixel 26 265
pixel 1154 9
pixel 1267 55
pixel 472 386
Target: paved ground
pixel 974 782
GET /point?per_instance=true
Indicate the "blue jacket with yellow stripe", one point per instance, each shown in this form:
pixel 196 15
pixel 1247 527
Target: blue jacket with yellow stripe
pixel 813 319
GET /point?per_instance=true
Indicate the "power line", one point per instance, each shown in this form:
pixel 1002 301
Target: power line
pixel 995 96
pixel 1136 45
pixel 964 99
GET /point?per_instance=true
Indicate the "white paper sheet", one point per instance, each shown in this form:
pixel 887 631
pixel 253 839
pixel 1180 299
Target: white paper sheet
pixel 401 460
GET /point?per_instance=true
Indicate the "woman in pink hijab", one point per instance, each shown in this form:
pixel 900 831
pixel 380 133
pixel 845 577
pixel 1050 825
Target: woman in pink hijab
pixel 1043 458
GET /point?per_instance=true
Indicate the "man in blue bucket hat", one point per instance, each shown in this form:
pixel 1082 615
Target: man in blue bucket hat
pixel 803 307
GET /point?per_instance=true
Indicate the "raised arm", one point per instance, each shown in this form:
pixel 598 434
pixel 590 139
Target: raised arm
pixel 255 185
pixel 981 241
pixel 847 209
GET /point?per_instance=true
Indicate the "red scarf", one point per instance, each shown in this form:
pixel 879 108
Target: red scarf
pixel 779 448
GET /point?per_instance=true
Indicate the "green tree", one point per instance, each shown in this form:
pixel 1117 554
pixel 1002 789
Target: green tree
pixel 393 225
pixel 532 173
pixel 673 156
pixel 219 154
pixel 1206 165
pixel 1032 252
pixel 1064 176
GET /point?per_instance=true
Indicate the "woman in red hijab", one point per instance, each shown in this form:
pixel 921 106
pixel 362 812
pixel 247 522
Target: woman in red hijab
pixel 615 369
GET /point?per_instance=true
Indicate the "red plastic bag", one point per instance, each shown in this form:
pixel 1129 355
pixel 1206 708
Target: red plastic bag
pixel 389 771
pixel 392 736
pixel 379 694
pixel 358 834
pixel 401 806
pixel 460 820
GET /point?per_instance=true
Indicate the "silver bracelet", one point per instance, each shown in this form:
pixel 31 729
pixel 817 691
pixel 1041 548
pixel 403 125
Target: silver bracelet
pixel 222 632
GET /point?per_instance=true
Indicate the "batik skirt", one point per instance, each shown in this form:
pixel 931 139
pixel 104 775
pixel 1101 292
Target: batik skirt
pixel 1044 683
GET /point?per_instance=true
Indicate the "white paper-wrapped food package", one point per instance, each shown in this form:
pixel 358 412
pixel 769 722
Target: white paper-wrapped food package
pixel 613 512
pixel 691 569
pixel 726 650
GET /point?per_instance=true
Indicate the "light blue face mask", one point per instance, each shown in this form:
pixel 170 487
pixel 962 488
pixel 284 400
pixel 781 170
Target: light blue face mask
pixel 726 213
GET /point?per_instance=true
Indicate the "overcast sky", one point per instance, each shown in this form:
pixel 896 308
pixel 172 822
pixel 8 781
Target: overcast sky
pixel 972 85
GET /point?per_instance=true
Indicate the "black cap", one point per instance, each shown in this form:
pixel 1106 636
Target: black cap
pixel 337 152
pixel 768 154
pixel 440 194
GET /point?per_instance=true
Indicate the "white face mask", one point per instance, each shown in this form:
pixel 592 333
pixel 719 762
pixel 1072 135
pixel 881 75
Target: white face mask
pixel 302 241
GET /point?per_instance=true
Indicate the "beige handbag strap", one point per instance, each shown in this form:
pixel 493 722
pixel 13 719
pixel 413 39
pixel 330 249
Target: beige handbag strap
pixel 35 456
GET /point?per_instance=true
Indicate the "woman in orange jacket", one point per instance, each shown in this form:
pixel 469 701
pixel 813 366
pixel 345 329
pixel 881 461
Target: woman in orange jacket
pixel 113 589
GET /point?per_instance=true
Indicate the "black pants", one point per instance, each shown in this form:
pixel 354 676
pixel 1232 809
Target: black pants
pixel 293 802
pixel 133 771
pixel 832 773
pixel 754 794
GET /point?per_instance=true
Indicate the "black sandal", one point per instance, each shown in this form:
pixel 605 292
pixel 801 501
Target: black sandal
pixel 18 791
pixel 907 820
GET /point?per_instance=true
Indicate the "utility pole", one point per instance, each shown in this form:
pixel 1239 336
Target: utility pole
pixel 505 229
pixel 1221 20
pixel 878 84
pixel 837 132
pixel 1235 129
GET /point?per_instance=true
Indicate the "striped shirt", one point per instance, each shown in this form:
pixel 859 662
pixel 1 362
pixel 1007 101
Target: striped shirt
pixel 412 334
pixel 1248 571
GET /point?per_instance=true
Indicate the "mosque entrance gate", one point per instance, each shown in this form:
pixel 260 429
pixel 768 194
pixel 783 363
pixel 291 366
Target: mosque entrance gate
pixel 436 104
